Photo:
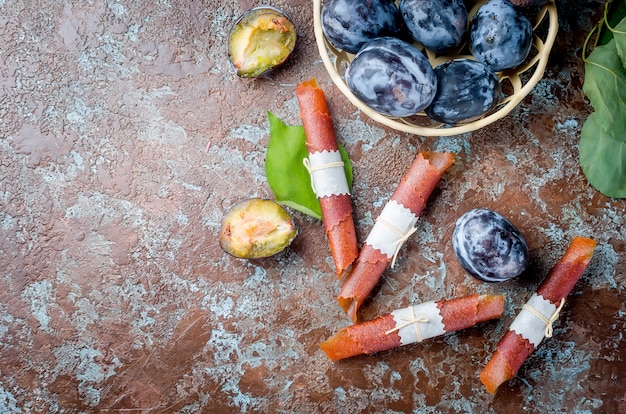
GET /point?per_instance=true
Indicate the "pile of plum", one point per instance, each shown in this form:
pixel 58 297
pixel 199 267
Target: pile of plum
pixel 392 75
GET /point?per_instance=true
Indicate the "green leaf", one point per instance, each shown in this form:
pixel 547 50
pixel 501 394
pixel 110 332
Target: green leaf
pixel 287 176
pixel 605 85
pixel 614 12
pixel 603 159
pixel 347 165
pixel 602 147
pixel 619 33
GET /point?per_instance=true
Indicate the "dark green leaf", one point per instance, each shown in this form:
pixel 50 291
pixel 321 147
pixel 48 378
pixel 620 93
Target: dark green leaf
pixel 605 86
pixel 286 174
pixel 619 33
pixel 603 158
pixel 603 137
pixel 616 11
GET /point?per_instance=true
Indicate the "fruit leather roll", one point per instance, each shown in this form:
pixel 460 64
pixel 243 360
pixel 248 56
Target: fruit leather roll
pixel 393 227
pixel 412 324
pixel 534 321
pixel 327 175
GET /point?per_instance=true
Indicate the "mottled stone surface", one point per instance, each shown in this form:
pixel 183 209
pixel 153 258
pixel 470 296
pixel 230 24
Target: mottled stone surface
pixel 124 137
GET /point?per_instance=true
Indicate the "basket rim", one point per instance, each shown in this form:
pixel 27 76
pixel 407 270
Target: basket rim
pixel 438 129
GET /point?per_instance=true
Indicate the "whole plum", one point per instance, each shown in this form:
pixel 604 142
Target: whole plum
pixel 500 35
pixel 466 90
pixel 439 25
pixel 528 3
pixel 488 246
pixel 349 24
pixel 392 77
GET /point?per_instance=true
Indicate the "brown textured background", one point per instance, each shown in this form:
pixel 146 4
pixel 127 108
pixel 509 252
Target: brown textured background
pixel 116 297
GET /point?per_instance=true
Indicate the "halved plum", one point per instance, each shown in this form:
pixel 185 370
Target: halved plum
pixel 256 228
pixel 260 40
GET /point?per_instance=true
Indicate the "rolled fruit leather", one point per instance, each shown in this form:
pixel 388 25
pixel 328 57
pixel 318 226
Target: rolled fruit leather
pixel 534 321
pixel 413 324
pixel 392 228
pixel 327 175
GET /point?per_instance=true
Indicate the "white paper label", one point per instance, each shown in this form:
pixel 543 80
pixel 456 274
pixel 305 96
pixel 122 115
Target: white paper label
pixel 385 238
pixel 327 174
pixel 531 326
pixel 418 322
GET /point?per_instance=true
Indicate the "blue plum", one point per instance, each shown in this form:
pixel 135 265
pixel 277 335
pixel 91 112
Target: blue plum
pixel 349 24
pixel 466 90
pixel 528 3
pixel 392 76
pixel 488 246
pixel 439 25
pixel 500 35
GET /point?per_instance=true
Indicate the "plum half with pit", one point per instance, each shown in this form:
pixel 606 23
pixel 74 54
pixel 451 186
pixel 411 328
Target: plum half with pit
pixel 349 24
pixel 488 246
pixel 256 228
pixel 261 40
pixel 466 90
pixel 392 77
pixel 439 25
pixel 500 35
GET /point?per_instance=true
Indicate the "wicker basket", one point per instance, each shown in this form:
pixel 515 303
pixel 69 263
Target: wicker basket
pixel 516 84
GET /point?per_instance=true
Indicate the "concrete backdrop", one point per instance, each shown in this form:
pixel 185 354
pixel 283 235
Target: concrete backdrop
pixel 124 137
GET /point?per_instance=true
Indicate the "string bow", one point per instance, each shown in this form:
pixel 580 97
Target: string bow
pixel 547 321
pixel 311 169
pixel 398 243
pixel 413 320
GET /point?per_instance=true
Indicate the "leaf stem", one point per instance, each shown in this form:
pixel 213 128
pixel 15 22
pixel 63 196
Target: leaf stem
pixel 596 28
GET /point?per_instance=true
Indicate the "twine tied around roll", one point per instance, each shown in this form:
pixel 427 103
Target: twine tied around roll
pixel 413 320
pixel 547 321
pixel 398 243
pixel 311 169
